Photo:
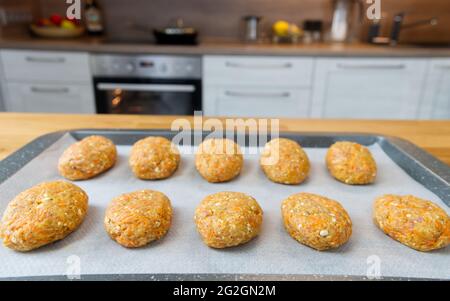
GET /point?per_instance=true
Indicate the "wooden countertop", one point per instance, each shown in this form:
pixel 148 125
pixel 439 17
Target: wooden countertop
pixel 219 47
pixel 17 130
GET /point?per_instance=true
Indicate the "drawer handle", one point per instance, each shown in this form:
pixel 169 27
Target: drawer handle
pixel 56 60
pixel 259 66
pixel 146 87
pixel 63 90
pixel 371 66
pixel 257 94
pixel 446 67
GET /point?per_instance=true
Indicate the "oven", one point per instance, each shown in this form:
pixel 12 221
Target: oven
pixel 158 85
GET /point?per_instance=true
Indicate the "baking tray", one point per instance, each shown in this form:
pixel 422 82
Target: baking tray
pixel 421 166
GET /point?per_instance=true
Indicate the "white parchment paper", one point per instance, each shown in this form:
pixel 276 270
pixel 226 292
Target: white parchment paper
pixel 182 251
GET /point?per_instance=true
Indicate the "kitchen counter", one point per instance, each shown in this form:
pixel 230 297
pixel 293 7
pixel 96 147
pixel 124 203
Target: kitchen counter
pixel 18 129
pixel 222 48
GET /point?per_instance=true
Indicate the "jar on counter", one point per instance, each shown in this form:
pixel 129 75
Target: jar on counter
pixel 252 29
pixel 312 31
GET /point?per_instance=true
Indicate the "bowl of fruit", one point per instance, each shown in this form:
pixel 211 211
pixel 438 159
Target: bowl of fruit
pixel 285 32
pixel 57 27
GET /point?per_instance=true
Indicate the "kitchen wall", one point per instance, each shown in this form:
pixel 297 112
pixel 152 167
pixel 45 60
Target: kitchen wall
pixel 418 10
pixel 30 6
pixel 221 19
pixel 215 19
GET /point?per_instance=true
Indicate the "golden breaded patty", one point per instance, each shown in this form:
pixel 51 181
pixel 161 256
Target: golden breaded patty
pixel 87 158
pixel 284 161
pixel 154 158
pixel 219 160
pixel 316 221
pixel 228 219
pixel 43 214
pixel 351 163
pixel 416 223
pixel 138 218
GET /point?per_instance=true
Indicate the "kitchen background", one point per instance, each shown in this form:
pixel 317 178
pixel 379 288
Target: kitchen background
pixel 323 80
pixel 222 18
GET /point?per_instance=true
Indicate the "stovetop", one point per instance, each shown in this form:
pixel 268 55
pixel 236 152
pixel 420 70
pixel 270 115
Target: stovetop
pixel 123 40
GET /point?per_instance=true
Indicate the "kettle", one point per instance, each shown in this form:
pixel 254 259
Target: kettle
pixel 345 16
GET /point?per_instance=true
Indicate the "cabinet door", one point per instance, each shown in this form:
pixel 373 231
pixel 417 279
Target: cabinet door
pixel 49 98
pixel 376 88
pixel 2 104
pixel 436 99
pixel 19 66
pixel 256 102
pixel 258 70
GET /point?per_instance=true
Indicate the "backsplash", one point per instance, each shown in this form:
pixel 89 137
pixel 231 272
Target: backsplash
pixel 219 19
pixel 222 19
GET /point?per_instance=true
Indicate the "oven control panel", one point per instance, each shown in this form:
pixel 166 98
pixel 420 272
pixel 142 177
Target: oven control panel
pixel 147 66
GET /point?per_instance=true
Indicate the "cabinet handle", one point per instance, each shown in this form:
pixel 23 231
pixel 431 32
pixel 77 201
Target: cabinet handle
pixel 146 87
pixel 258 66
pixel 372 66
pixel 443 67
pixel 257 94
pixel 56 60
pixel 63 90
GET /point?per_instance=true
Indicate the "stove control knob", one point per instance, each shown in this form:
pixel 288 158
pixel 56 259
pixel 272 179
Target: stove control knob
pixel 189 68
pixel 163 68
pixel 129 67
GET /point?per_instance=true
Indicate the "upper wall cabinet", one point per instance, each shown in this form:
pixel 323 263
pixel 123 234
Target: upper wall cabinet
pixel 375 88
pixel 436 97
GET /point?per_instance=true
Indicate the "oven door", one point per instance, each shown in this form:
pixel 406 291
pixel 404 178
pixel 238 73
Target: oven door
pixel 147 96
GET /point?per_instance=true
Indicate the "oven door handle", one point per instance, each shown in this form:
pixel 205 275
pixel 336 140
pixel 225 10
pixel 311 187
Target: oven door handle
pixel 147 87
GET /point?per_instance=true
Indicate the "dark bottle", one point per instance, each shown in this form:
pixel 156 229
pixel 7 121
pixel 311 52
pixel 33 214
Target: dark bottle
pixel 94 18
pixel 374 31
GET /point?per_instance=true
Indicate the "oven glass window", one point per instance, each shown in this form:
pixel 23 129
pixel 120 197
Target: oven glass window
pixel 155 99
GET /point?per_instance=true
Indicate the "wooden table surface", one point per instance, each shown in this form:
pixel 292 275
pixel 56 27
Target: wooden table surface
pixel 17 130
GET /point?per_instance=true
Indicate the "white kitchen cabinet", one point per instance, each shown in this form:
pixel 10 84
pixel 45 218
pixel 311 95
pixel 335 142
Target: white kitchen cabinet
pixel 19 65
pixel 47 81
pixel 257 101
pixel 375 88
pixel 50 98
pixel 258 70
pixel 436 97
pixel 257 86
pixel 2 88
pixel 2 104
